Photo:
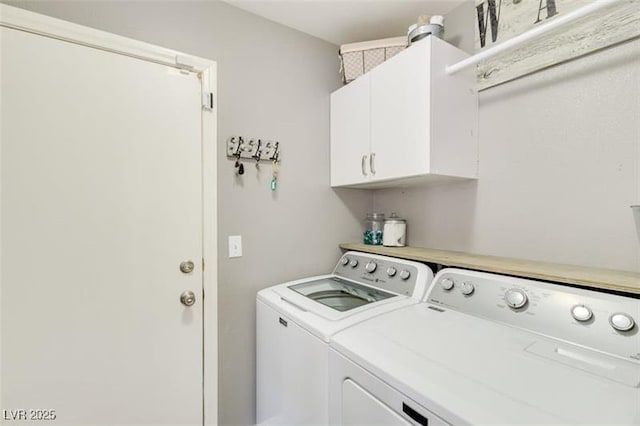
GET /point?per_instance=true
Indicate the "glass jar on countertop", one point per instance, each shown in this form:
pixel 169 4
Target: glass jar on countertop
pixel 374 226
pixel 395 232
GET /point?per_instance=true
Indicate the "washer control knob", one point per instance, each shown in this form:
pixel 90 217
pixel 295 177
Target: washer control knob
pixel 447 284
pixel 370 267
pixel 391 271
pixel 515 298
pixel 353 263
pixel 344 261
pixel 621 322
pixel 467 288
pixel 404 274
pixel 581 313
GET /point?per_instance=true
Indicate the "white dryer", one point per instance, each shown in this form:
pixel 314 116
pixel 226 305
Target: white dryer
pixel 295 321
pixel 492 350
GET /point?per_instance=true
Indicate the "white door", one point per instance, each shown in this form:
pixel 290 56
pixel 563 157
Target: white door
pixel 101 201
pixel 400 114
pixel 350 133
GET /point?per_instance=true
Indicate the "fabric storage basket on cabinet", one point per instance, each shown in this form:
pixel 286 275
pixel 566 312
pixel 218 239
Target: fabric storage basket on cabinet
pixel 358 58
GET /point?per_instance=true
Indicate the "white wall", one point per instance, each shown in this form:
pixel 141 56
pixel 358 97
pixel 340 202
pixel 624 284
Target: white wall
pixel 559 166
pixel 274 82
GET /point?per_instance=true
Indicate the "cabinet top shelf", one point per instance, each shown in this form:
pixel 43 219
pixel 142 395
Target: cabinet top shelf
pixel 624 281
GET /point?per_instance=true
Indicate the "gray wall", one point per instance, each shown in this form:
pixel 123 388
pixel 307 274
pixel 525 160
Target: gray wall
pixel 559 166
pixel 273 82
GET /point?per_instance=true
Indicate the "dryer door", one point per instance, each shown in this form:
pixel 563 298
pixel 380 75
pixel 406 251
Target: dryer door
pixel 359 408
pixel 357 398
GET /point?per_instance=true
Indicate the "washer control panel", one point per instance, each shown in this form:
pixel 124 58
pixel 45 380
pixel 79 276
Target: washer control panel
pixel 601 321
pixel 386 273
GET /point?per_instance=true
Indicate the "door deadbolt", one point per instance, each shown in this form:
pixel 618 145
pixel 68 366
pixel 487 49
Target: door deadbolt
pixel 187 266
pixel 188 298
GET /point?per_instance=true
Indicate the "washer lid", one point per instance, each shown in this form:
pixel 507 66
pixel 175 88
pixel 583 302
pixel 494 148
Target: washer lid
pixel 320 319
pixel 339 294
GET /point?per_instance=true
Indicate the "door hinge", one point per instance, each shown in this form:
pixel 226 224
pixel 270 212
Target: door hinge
pixel 203 263
pixel 207 101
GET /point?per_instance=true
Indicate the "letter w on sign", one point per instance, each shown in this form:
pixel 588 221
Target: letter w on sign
pixel 492 15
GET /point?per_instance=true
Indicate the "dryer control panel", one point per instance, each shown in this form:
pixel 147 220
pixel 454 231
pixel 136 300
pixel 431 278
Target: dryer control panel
pixel 399 276
pixel 601 321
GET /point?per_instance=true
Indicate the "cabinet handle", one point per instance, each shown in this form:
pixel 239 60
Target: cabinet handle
pixel 372 163
pixel 363 164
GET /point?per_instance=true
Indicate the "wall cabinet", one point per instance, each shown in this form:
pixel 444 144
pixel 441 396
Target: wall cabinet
pixel 406 121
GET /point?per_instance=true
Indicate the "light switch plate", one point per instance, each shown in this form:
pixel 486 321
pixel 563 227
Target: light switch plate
pixel 235 246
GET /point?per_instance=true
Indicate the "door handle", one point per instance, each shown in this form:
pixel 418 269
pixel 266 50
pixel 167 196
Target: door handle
pixel 187 266
pixel 188 298
pixel 363 165
pixel 372 163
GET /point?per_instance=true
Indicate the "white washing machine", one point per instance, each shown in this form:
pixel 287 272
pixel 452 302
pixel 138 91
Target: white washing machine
pixel 295 321
pixel 493 350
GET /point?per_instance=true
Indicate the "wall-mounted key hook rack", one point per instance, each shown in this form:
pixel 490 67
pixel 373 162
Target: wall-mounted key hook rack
pixel 253 148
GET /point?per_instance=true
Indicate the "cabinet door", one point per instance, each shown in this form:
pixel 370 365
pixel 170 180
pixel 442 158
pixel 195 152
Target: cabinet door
pixel 400 114
pixel 350 133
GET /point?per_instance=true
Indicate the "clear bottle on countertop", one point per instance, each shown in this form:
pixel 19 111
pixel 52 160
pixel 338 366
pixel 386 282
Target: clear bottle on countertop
pixel 374 226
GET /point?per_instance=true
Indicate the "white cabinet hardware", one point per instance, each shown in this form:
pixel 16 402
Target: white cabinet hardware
pixel 372 163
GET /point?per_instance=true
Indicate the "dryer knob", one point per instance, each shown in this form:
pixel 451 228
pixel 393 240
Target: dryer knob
pixel 467 288
pixel 581 313
pixel 404 274
pixel 370 267
pixel 515 298
pixel 447 284
pixel 344 261
pixel 391 271
pixel 353 263
pixel 621 322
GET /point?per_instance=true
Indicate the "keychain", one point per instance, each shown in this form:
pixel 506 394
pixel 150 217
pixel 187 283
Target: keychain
pixel 274 179
pixel 239 166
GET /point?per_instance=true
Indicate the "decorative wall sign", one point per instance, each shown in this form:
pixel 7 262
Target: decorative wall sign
pixel 500 20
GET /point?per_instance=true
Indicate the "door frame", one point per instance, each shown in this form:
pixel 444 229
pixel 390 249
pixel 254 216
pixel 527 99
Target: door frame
pixel 23 20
